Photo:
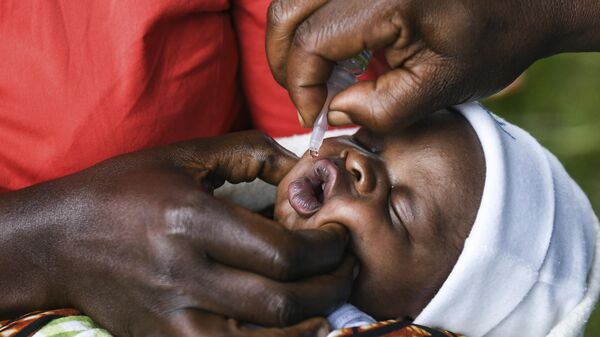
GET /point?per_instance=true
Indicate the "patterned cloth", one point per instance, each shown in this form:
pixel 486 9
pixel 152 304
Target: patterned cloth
pixel 393 328
pixel 72 326
pixel 70 323
pixel 29 324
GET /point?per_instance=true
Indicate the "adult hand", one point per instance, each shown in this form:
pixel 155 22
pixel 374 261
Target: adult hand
pixel 440 52
pixel 137 245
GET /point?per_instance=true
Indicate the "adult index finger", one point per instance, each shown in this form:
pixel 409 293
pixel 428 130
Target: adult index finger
pixel 338 30
pixel 284 16
pixel 405 94
pixel 253 298
pixel 235 157
pixel 239 238
pixel 252 154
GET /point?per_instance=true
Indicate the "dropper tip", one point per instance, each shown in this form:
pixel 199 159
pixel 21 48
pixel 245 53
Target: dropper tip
pixel 313 153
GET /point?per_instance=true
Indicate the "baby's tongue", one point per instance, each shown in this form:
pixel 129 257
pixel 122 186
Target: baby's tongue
pixel 305 196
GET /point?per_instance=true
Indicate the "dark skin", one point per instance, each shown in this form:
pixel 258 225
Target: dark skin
pixel 139 243
pixel 440 52
pixel 408 199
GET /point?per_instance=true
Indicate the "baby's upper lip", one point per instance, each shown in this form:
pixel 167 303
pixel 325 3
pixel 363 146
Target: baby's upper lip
pixel 328 172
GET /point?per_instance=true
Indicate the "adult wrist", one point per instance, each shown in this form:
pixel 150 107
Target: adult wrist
pixel 28 233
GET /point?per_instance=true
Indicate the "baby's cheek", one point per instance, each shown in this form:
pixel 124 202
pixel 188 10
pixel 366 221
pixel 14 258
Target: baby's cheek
pixel 354 215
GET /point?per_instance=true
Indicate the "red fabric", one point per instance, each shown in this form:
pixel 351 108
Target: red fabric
pixel 271 108
pixel 82 81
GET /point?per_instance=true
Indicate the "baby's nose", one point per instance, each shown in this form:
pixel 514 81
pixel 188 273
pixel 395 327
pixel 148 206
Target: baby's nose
pixel 359 167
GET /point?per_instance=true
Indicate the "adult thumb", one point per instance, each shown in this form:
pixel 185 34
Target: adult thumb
pixel 395 99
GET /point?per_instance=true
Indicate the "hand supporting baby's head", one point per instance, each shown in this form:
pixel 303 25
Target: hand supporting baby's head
pixel 408 198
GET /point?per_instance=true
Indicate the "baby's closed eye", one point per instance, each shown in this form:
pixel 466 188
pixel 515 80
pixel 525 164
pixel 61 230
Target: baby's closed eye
pixel 401 208
pixel 368 142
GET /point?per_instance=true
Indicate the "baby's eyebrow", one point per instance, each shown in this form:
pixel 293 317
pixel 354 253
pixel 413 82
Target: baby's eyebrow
pixel 359 143
pixel 365 141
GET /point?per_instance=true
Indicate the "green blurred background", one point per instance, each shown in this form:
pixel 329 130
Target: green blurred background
pixel 558 102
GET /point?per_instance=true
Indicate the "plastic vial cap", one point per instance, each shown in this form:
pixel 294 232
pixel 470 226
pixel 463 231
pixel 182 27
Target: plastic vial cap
pixel 357 64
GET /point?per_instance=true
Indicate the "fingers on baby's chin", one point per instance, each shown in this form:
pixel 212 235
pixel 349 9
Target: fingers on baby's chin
pixel 285 215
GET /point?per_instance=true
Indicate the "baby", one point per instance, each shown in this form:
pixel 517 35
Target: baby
pixel 461 221
pixel 408 199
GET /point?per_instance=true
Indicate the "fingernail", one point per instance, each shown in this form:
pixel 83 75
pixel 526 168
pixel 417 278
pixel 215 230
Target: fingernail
pixel 355 272
pixel 339 118
pixel 300 119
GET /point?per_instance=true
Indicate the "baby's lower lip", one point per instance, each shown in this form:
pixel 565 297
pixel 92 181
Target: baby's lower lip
pixel 303 198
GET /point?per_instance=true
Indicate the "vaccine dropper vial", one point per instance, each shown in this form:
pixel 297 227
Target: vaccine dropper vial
pixel 344 74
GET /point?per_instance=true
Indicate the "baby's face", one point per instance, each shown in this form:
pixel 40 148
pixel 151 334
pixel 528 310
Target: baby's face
pixel 408 199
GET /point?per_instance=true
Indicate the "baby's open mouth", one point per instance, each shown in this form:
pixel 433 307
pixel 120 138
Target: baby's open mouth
pixel 306 195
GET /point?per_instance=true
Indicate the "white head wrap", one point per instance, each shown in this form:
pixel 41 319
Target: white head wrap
pixel 525 265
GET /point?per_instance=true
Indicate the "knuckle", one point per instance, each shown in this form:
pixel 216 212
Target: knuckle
pixel 277 13
pixel 262 138
pixel 285 308
pixel 264 146
pixel 178 219
pixel 284 262
pixel 168 278
pixel 282 267
pixel 255 140
pixel 303 37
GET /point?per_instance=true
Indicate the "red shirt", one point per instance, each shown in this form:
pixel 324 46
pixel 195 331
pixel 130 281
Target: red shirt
pixel 82 81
